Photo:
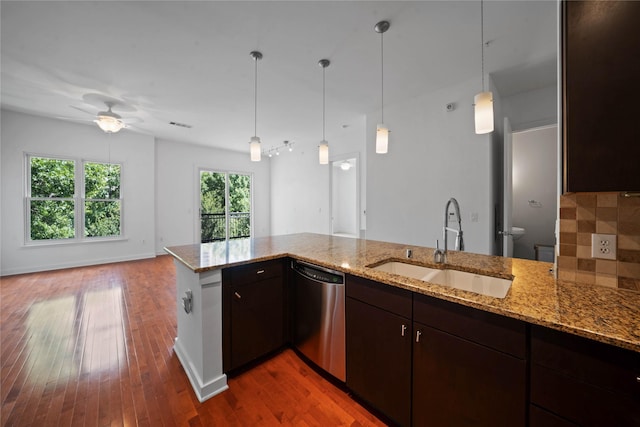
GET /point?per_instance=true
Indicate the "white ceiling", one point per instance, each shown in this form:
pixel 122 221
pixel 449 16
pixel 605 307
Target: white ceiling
pixel 189 62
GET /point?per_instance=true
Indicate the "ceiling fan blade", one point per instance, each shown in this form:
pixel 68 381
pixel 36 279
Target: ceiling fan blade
pixel 84 111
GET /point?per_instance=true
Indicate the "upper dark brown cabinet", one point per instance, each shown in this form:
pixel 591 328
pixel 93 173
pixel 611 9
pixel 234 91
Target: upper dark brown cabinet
pixel 601 99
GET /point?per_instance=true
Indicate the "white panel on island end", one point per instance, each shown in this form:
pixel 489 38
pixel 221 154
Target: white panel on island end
pixel 199 341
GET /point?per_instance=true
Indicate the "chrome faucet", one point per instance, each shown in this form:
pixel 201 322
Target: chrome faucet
pixel 459 245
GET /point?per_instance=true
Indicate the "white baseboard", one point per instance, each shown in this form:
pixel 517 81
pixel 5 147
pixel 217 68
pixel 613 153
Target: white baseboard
pixel 202 390
pixel 72 264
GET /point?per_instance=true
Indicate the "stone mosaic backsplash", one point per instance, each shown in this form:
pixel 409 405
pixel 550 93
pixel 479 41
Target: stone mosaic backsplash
pixel 582 214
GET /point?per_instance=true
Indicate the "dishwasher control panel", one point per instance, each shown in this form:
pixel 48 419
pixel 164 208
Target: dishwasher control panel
pixel 320 274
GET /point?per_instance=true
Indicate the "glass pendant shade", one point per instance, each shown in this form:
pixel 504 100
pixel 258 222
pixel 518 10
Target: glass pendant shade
pixel 109 124
pixel 382 139
pixel 484 112
pixel 323 153
pixel 254 146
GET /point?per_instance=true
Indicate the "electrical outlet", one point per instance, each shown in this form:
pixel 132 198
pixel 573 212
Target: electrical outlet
pixel 603 246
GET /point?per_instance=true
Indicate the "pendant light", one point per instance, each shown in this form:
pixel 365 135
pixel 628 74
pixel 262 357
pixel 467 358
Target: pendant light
pixel 254 143
pixel 483 101
pixel 323 148
pixel 382 132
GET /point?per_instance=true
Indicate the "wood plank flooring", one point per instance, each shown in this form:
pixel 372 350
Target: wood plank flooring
pixel 93 346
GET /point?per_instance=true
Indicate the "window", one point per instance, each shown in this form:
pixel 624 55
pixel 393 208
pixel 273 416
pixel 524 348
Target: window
pixel 53 204
pixel 225 206
pixel 102 204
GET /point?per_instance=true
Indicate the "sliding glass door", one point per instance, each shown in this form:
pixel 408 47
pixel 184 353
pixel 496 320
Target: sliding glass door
pixel 225 206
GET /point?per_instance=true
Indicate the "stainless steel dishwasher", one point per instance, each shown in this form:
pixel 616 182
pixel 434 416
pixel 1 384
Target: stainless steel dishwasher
pixel 319 325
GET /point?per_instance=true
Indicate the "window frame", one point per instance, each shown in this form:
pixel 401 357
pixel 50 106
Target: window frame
pixel 198 210
pixel 78 200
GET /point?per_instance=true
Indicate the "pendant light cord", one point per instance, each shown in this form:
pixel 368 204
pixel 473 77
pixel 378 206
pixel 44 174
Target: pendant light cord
pixel 255 100
pixel 482 39
pixel 382 73
pixel 323 103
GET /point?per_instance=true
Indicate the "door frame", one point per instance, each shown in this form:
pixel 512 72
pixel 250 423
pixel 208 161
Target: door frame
pixel 339 158
pixel 198 201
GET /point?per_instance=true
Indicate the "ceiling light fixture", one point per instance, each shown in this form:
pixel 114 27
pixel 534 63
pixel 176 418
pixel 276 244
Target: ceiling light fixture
pixel 382 132
pixel 323 148
pixel 109 121
pixel 254 143
pixel 483 101
pixel 345 166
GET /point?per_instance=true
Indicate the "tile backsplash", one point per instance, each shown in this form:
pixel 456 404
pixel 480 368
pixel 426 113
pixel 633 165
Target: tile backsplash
pixel 582 214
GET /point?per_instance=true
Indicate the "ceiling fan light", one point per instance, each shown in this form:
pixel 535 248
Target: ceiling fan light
pixel 483 112
pixel 254 147
pixel 109 124
pixel 382 139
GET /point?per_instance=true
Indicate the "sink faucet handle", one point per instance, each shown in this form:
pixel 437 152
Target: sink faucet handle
pixel 438 255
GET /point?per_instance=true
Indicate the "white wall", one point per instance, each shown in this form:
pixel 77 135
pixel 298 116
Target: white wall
pixel 433 155
pixel 177 187
pixel 22 133
pixel 534 178
pixel 300 187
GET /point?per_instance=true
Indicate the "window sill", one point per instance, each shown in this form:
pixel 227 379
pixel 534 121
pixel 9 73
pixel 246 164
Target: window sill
pixel 72 242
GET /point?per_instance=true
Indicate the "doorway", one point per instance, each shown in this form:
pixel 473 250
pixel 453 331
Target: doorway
pixel 533 205
pixel 225 206
pixel 345 196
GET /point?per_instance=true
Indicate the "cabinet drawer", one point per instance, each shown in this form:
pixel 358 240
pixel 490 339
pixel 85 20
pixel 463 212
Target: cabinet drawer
pixel 602 365
pixel 580 402
pixel 256 271
pixel 386 297
pixel 488 329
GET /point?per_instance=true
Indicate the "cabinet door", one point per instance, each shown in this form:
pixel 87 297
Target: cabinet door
pixel 601 59
pixel 256 320
pixel 461 383
pixel 540 418
pixel 379 359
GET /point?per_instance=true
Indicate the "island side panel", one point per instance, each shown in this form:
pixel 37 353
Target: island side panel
pixel 199 341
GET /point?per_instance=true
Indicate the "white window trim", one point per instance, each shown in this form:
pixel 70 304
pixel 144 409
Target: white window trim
pixel 78 199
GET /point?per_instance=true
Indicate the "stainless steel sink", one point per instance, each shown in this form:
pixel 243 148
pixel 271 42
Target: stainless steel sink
pixel 478 283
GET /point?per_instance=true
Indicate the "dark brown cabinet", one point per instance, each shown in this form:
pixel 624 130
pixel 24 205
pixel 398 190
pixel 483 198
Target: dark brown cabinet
pixel 379 346
pixel 601 65
pixel 582 382
pixel 469 366
pixel 253 312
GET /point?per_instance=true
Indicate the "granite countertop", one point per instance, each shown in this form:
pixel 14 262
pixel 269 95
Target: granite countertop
pixel 603 314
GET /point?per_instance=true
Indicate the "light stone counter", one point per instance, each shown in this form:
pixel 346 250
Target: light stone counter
pixel 602 314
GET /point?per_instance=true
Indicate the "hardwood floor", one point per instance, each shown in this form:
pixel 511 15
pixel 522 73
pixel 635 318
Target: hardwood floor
pixel 93 346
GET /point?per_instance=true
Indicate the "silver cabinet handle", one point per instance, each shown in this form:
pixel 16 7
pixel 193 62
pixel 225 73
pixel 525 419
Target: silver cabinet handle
pixel 404 329
pixel 260 272
pixel 418 333
pixel 237 295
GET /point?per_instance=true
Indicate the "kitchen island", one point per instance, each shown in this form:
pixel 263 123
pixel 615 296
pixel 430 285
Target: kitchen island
pixel 606 315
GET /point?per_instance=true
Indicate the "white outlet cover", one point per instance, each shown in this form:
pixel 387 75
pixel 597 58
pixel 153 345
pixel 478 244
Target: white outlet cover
pixel 603 246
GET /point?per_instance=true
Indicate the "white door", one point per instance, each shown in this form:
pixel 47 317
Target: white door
pixel 507 238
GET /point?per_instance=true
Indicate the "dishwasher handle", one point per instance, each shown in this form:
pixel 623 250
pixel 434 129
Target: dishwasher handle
pixel 317 273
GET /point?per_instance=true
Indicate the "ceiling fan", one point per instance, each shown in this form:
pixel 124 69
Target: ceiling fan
pixel 109 121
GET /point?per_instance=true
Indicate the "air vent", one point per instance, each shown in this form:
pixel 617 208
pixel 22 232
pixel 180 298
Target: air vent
pixel 182 125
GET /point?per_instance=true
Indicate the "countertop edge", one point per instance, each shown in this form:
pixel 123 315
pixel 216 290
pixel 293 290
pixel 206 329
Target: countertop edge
pixel 446 294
